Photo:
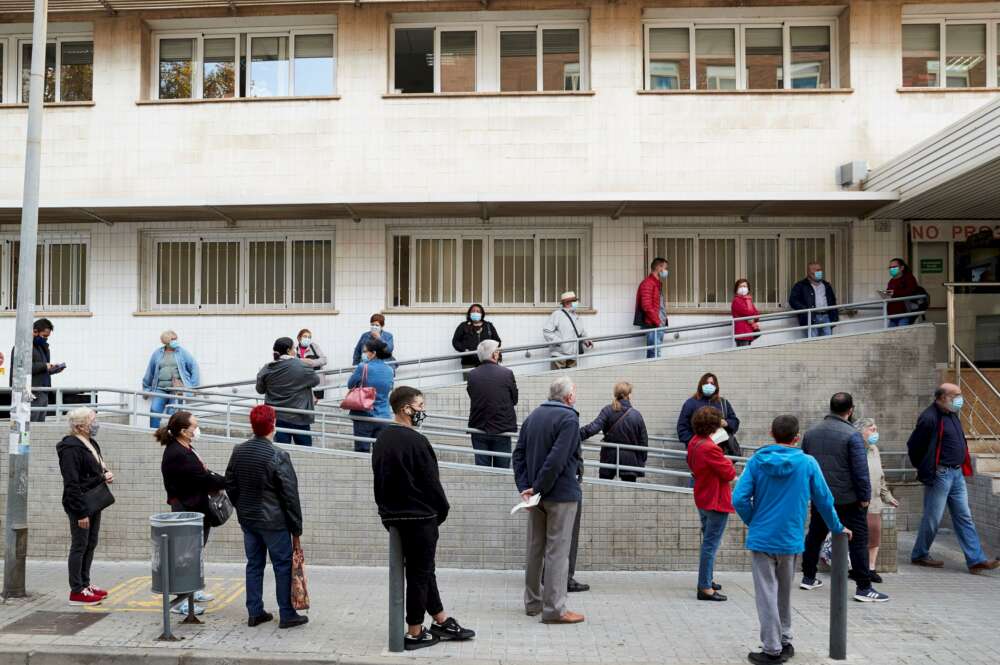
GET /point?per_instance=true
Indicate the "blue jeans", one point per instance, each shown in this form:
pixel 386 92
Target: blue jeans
pixel 948 488
pixel 368 430
pixel 495 443
pixel 159 405
pixel 713 525
pixel 902 321
pixel 654 339
pixel 825 331
pixel 258 544
pixel 288 437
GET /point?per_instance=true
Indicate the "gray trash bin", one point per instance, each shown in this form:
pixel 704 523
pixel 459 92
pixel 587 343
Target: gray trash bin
pixel 185 563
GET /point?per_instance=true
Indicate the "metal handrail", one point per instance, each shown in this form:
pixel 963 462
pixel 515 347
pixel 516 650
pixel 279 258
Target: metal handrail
pixel 962 356
pixel 727 323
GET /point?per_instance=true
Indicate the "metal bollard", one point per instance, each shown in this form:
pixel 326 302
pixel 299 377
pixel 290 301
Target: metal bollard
pixel 165 582
pixel 838 599
pixel 396 624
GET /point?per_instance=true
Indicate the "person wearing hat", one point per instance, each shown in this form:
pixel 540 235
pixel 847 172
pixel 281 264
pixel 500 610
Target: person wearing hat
pixel 563 331
pixel 287 383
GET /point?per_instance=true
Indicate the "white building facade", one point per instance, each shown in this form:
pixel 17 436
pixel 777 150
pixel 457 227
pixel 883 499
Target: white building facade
pixel 237 176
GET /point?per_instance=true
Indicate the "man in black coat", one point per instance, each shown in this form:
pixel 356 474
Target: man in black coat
pixel 42 368
pixel 812 292
pixel 493 396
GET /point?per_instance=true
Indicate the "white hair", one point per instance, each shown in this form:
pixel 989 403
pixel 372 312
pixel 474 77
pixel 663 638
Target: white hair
pixel 865 423
pixel 486 349
pixel 78 417
pixel 560 389
pixel 167 335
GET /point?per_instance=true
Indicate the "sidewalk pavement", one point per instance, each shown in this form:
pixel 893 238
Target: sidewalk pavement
pixel 935 616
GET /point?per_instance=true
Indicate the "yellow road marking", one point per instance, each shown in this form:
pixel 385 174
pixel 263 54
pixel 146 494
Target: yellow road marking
pixel 130 595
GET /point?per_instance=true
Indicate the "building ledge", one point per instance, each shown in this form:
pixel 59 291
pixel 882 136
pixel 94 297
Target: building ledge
pixel 493 311
pixel 50 315
pixel 234 100
pixel 807 91
pixel 239 312
pixel 51 105
pixel 945 90
pixel 493 93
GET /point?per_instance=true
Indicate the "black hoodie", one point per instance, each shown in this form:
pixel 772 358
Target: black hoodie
pixel 81 472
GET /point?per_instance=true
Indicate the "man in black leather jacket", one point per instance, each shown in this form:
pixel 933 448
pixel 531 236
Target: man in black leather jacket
pixel 262 486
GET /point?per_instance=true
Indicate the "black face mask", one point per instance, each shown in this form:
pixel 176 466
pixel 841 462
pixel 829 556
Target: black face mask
pixel 417 417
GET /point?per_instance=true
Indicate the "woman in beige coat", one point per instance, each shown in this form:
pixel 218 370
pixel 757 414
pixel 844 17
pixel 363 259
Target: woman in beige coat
pixel 880 493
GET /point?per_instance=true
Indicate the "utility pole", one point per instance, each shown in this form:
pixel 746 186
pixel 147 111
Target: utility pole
pixel 16 523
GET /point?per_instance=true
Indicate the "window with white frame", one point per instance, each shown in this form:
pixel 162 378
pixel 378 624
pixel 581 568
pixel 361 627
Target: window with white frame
pixel 68 72
pixel 61 272
pixel 765 54
pixel 500 268
pixel 704 266
pixel 221 63
pixel 225 271
pixel 968 46
pixel 466 52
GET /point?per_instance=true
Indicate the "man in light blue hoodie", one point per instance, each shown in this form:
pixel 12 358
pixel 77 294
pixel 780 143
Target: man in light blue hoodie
pixel 772 497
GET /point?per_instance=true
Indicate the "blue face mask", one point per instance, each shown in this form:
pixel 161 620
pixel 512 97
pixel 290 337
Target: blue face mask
pixel 174 344
pixel 476 316
pixel 894 271
pixel 873 438
pixel 708 389
pixel 664 274
pixel 573 305
pixel 957 403
pixel 818 275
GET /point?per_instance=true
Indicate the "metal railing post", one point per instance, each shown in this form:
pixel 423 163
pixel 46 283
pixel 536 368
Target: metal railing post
pixel 732 332
pixel 229 418
pixel 951 327
pixel 885 313
pixel 396 623
pixel 838 598
pixel 59 402
pixel 809 323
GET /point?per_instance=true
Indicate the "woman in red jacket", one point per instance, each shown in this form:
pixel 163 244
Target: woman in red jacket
pixel 746 331
pixel 713 472
pixel 902 283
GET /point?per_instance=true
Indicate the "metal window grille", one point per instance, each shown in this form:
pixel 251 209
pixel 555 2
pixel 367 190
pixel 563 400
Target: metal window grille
pixel 13 262
pixel 763 270
pixel 401 271
pixel 312 272
pixel 472 270
pixel 220 272
pixel 717 270
pixel 679 289
pixel 266 272
pixel 436 269
pixel 513 271
pixel 559 267
pixel 60 275
pixel 175 273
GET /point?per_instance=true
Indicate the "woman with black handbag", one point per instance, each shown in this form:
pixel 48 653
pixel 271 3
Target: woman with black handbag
pixel 85 495
pixel 623 424
pixel 190 485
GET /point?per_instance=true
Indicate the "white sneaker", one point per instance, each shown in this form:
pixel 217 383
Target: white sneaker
pixel 202 597
pixel 183 609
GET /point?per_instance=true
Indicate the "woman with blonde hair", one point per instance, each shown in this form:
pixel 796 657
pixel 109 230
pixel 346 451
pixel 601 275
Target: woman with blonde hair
pixel 171 366
pixel 623 424
pixel 880 493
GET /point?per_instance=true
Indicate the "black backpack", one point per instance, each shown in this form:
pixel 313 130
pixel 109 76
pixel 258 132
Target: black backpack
pixel 922 304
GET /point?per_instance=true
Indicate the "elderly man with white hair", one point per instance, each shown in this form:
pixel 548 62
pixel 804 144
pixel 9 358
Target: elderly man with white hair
pixel 492 398
pixel 546 464
pixel 170 366
pixel 85 494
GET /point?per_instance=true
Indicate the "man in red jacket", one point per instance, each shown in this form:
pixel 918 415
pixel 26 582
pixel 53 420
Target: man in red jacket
pixel 649 313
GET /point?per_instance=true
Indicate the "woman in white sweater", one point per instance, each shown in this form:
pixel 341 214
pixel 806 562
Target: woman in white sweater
pixel 880 493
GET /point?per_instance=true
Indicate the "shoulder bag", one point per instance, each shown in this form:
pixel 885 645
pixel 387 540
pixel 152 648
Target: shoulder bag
pixel 579 344
pixel 361 398
pixel 614 425
pixel 99 497
pixel 219 507
pixel 732 446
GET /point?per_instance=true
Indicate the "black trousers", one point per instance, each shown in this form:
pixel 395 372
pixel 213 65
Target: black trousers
pixel 855 518
pixel 41 399
pixel 419 540
pixel 576 540
pixel 83 542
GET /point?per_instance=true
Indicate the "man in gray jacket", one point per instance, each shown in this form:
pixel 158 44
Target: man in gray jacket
pixel 287 383
pixel 840 452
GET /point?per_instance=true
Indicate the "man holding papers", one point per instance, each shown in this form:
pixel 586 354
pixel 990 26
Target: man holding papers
pixel 545 463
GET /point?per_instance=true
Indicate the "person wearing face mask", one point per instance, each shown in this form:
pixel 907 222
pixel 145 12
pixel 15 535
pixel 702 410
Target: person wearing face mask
pixel 939 452
pixel 742 306
pixel 902 283
pixel 42 368
pixel 880 493
pixel 546 462
pixel 373 372
pixel 708 393
pixel 470 333
pixel 187 479
pixel 410 497
pixel 376 331
pixel 838 449
pixel 287 383
pixel 311 354
pixel 564 330
pixel 82 468
pixel 814 291
pixel 650 311
pixel 171 366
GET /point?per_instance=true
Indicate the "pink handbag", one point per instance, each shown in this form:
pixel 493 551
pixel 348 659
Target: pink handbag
pixel 361 398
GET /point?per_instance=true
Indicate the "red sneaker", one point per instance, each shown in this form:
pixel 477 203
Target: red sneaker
pixel 98 591
pixel 85 597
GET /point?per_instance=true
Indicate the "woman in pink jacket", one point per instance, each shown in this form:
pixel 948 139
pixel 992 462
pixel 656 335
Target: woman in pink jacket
pixel 746 331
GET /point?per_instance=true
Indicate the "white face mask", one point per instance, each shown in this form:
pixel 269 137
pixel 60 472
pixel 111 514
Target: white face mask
pixel 376 327
pixel 196 434
pixel 743 291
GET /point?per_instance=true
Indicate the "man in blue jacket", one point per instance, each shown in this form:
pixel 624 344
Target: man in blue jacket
pixel 772 498
pixel 545 463
pixel 812 292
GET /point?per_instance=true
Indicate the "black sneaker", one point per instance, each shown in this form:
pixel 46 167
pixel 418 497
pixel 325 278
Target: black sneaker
pixel 424 639
pixel 870 595
pixel 787 650
pixel 292 622
pixel 259 619
pixel 874 577
pixel 450 630
pixel 810 583
pixel 762 658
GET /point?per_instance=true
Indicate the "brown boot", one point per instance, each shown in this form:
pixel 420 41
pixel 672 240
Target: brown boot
pixel 567 617
pixel 982 566
pixel 928 562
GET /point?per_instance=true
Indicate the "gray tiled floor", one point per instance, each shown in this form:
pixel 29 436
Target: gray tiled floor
pixel 934 617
